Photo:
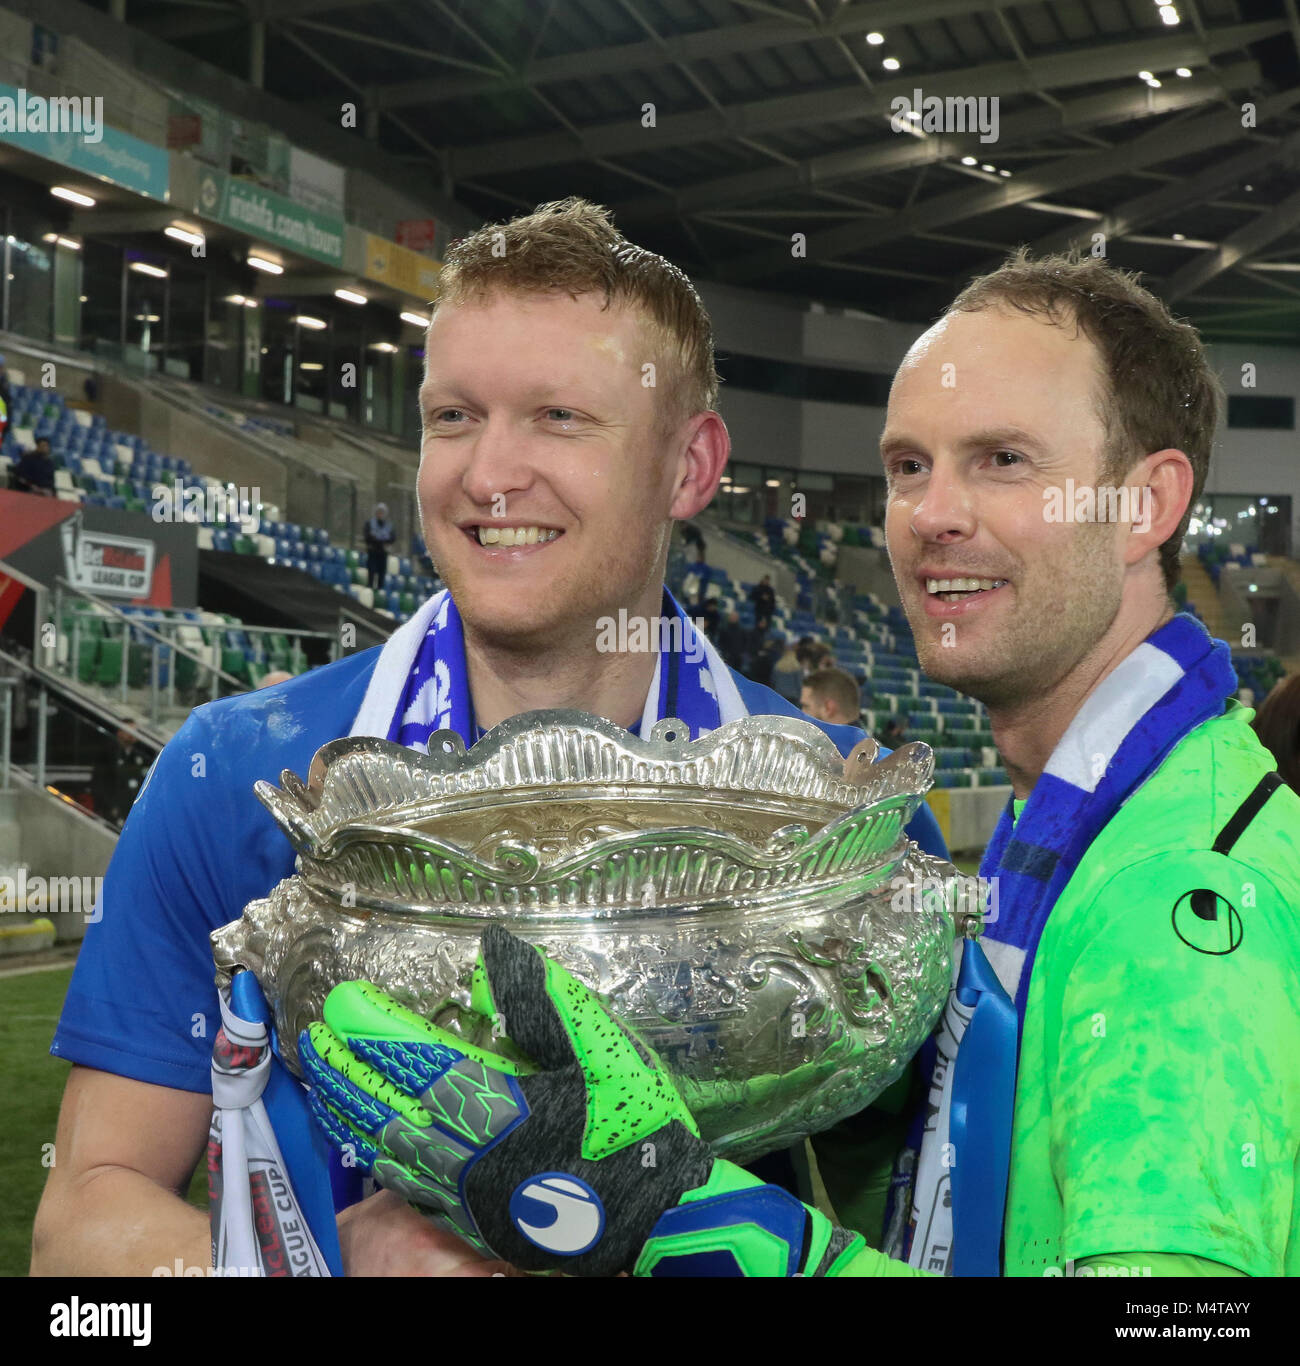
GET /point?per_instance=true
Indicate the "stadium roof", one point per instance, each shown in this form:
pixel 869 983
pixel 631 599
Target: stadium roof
pixel 717 129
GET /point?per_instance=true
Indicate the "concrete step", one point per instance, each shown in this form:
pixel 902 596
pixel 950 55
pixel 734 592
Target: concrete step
pixel 1204 596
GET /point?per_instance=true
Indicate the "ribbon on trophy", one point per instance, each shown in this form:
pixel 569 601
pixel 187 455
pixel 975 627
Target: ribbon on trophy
pixel 270 1201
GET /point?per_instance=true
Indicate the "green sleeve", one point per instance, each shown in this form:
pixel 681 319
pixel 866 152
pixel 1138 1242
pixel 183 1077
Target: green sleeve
pixel 1173 1104
pixel 855 1159
pixel 1156 1264
pixel 868 1262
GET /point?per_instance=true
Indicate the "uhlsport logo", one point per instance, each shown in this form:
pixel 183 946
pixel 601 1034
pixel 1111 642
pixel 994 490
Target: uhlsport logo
pixel 558 1213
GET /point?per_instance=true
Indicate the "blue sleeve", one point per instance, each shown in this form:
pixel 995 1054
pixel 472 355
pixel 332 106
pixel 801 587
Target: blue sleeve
pixel 143 1000
pixel 924 829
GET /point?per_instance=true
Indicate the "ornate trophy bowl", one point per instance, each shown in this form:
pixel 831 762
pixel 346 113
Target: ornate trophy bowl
pixel 764 923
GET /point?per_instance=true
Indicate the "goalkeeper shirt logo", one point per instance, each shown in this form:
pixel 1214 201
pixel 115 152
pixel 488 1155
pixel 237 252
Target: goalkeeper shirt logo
pixel 558 1213
pixel 1207 922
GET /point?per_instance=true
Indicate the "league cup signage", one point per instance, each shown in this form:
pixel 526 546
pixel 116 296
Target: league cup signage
pixel 102 563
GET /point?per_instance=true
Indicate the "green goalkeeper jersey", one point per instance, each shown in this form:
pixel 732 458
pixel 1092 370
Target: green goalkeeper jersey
pixel 1158 1090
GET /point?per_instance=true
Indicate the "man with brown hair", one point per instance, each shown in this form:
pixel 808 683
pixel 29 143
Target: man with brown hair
pixel 831 695
pixel 568 422
pixel 1148 866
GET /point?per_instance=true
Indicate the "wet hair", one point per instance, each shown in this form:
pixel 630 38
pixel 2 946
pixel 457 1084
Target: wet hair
pixel 1159 391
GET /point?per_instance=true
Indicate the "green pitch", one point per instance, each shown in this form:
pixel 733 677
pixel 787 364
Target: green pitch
pixel 33 1086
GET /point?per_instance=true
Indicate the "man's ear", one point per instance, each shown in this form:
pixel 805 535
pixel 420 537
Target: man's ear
pixel 1159 492
pixel 702 462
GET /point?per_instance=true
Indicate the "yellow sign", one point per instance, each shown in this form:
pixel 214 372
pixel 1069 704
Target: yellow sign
pixel 401 268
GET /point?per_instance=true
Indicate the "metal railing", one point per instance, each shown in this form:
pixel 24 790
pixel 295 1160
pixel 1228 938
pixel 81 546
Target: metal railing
pixel 7 686
pixel 104 611
pixel 41 776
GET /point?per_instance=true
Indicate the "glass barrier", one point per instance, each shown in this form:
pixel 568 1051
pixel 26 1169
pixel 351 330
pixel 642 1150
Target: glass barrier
pixel 52 744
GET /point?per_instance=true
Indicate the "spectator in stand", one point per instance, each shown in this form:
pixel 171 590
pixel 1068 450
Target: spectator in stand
pixel 275 676
pixel 831 695
pixel 894 733
pixel 709 615
pixel 764 599
pixel 1277 723
pixel 692 536
pixel 733 642
pixel 34 473
pixel 4 384
pixel 379 536
pixel 787 675
pixel 763 661
pixel 117 777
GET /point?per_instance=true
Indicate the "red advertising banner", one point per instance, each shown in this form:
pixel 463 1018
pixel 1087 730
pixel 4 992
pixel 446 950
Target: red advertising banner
pixel 416 233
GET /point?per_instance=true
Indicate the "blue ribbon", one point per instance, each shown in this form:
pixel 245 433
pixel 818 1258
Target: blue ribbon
pixel 980 1113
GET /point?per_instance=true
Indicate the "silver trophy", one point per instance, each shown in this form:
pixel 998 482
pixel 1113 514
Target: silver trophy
pixel 763 921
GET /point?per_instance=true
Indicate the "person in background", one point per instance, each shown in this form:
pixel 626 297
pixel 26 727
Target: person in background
pixel 733 643
pixel 116 778
pixel 831 695
pixel 692 536
pixel 894 733
pixel 709 615
pixel 274 677
pixel 379 536
pixel 5 399
pixel 763 597
pixel 787 675
pixel 763 660
pixel 1277 723
pixel 34 473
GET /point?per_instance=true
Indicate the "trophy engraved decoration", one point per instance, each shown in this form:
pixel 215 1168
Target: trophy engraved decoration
pixel 763 922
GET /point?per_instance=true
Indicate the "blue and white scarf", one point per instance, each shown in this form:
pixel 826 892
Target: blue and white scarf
pixel 1173 682
pixel 421 684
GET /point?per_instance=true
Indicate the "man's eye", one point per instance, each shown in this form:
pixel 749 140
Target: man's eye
pixel 1012 457
pixel 560 414
pixel 905 467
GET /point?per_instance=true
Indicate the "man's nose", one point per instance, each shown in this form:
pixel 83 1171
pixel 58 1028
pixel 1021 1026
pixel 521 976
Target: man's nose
pixel 498 463
pixel 945 509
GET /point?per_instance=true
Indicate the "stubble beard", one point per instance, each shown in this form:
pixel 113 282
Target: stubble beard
pixel 1061 611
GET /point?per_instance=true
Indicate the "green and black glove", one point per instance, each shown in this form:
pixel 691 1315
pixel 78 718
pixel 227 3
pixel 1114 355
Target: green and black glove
pixel 575 1153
